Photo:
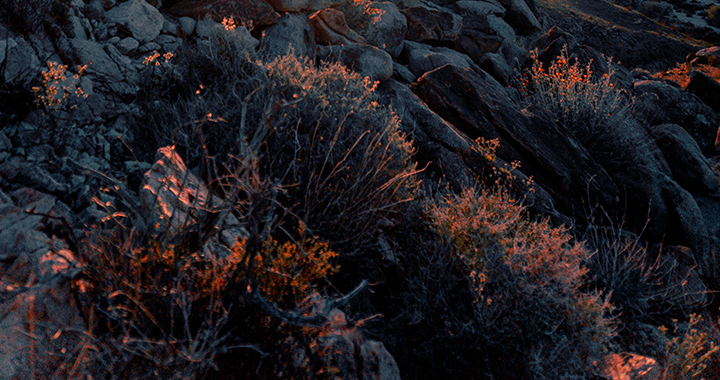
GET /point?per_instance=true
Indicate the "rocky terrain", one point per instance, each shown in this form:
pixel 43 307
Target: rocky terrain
pixel 197 189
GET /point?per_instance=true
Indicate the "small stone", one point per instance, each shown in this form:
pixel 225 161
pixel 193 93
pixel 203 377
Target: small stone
pixel 187 25
pixel 127 45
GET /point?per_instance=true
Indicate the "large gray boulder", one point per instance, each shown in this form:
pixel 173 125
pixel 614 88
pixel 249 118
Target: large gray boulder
pixel 387 28
pixel 520 17
pixel 99 62
pixel 19 59
pixel 367 60
pixel 292 32
pixel 689 167
pixel 142 19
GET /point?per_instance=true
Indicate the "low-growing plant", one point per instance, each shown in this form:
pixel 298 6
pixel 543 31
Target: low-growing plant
pixel 527 277
pixel 688 350
pixel 57 87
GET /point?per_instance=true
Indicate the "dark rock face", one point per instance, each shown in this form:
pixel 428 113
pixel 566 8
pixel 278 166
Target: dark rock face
pixel 706 88
pixel 259 12
pixel 477 105
pixel 435 26
pixel 660 103
pixel 689 167
pixel 292 31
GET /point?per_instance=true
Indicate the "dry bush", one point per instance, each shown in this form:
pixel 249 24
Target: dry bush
pixel 26 16
pixel 339 156
pixel 591 107
pixel 688 350
pixel 529 309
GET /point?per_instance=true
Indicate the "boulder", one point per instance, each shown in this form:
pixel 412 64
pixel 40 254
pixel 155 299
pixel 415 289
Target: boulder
pixel 689 167
pixel 297 6
pixel 99 63
pixel 495 65
pixel 478 106
pixel 520 17
pixel 477 44
pixel 292 31
pixel 377 363
pixel 687 225
pixel 706 88
pixel 485 8
pixel 501 29
pixel 330 28
pixel 663 103
pixel 367 60
pixel 424 58
pixel 18 59
pixel 707 56
pixel 387 28
pixel 141 19
pixel 257 13
pixel 432 25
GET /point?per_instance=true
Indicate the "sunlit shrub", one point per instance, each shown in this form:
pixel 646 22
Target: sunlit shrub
pixel 527 277
pixel 688 350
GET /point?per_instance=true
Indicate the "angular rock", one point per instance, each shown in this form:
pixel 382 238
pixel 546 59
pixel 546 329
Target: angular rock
pixel 100 63
pixel 485 8
pixel 19 171
pixel 387 28
pixel 495 65
pixel 707 56
pixel 662 103
pixel 502 28
pixel 477 105
pixel 296 6
pixel 377 363
pixel 19 59
pixel 520 17
pixel 687 223
pixel 424 58
pixel 367 60
pixel 432 25
pixel 689 167
pixel 142 19
pixel 477 44
pixel 126 45
pixel 706 88
pixel 292 31
pixel 258 13
pixel 330 28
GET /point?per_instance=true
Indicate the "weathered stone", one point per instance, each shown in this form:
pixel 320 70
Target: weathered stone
pixel 142 19
pixel 689 167
pixel 661 103
pixel 296 6
pixel 377 363
pixel 502 28
pixel 485 8
pixel 707 56
pixel 330 28
pixel 520 17
pixel 257 13
pixel 365 59
pixel 495 65
pixel 477 44
pixel 706 88
pixel 424 58
pixel 387 27
pixel 187 25
pixel 19 60
pixel 687 223
pixel 17 170
pixel 127 45
pixel 432 25
pixel 100 63
pixel 292 31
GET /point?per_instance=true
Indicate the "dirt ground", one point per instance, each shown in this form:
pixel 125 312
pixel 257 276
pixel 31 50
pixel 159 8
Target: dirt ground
pixel 631 38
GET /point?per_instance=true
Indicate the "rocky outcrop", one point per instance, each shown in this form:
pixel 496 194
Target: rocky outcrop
pixel 706 88
pixel 141 19
pixel 433 25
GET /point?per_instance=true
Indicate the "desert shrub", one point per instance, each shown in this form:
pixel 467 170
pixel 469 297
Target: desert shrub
pixel 166 303
pixel 339 156
pixel 26 16
pixel 527 277
pixel 687 350
pixel 592 107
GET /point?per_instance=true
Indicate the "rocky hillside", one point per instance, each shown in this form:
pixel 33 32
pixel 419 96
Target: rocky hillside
pixel 347 189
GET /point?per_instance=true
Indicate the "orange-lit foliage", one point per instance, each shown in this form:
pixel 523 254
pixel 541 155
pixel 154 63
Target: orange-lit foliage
pixel 570 92
pixel 680 73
